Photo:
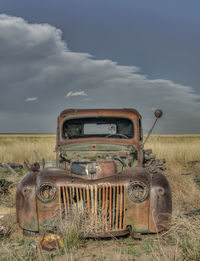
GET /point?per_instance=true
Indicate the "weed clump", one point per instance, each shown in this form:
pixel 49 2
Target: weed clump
pixel 185 233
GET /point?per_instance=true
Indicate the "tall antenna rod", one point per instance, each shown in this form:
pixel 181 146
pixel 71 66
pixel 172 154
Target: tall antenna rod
pixel 158 114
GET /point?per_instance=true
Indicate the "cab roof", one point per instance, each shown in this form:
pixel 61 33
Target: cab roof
pixel 115 112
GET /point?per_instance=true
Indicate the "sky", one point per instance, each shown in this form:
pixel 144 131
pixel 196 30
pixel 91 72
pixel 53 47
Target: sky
pixel 64 54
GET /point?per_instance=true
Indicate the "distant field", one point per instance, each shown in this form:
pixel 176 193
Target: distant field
pixel 178 150
pixel 17 147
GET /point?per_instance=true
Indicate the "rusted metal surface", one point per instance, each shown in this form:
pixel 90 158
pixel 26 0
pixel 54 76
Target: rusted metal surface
pixel 127 113
pixel 97 169
pixel 26 203
pixel 160 203
pixel 99 112
pixel 105 181
pixel 98 201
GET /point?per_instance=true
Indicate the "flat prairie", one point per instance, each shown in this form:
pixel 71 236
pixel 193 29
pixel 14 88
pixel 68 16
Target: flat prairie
pixel 181 242
pixel 17 147
pixel 178 150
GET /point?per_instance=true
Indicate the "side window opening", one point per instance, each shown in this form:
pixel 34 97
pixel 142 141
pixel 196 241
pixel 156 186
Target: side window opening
pixel 140 130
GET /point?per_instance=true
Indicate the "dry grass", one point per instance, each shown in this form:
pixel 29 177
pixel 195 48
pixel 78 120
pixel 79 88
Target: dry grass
pixel 182 153
pixel 185 234
pixel 17 147
pixel 178 150
pixel 185 193
pixel 87 225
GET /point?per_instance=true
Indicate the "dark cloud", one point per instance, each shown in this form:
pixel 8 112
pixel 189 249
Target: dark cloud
pixel 40 76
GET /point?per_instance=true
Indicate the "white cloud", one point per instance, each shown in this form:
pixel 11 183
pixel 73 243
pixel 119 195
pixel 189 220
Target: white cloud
pixel 31 99
pixel 88 99
pixel 39 61
pixel 79 93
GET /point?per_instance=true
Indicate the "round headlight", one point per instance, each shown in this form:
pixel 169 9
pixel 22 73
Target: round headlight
pixel 47 192
pixel 138 191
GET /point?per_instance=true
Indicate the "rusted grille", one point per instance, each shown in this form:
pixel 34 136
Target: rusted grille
pixel 106 202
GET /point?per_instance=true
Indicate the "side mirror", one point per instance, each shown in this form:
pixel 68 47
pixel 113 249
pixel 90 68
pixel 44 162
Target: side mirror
pixel 158 113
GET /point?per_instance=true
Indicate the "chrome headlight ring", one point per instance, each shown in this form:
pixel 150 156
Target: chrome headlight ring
pixel 138 191
pixel 47 192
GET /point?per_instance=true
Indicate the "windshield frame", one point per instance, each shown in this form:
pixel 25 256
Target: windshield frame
pixel 114 136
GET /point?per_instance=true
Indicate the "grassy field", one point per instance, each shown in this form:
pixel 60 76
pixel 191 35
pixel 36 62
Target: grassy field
pixel 178 150
pixel 181 242
pixel 17 147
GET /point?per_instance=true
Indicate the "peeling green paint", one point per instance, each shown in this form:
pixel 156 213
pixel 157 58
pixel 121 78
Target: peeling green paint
pixel 50 223
pixel 98 147
pixel 30 226
pixel 85 152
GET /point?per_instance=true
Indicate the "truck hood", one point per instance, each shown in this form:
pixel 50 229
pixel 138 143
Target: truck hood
pixel 58 177
pixel 96 146
pixel 96 152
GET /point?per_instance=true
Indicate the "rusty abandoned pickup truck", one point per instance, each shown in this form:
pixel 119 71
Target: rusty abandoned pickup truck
pixel 103 171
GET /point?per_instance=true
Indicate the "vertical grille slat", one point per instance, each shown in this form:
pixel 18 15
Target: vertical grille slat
pixel 77 199
pixel 88 199
pixel 84 193
pixel 60 203
pixel 120 209
pixel 124 212
pixel 106 208
pixel 81 198
pixel 103 199
pixel 110 208
pixel 99 199
pixel 67 196
pixel 92 199
pixel 95 201
pixel 64 197
pixel 106 204
pixel 114 206
pixel 73 197
pixel 117 208
pixel 70 195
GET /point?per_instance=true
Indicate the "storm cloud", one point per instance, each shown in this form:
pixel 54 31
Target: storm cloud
pixel 40 76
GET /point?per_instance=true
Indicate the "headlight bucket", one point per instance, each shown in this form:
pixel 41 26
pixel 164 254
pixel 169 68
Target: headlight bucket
pixel 47 192
pixel 138 191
